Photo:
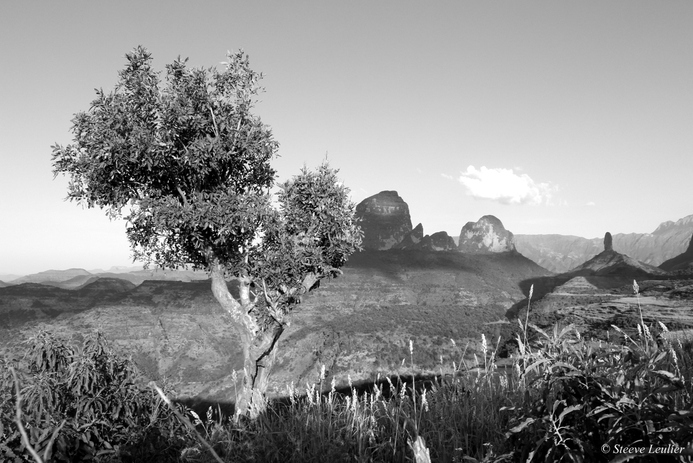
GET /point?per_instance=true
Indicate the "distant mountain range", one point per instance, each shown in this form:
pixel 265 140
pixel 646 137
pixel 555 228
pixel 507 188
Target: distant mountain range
pixel 76 278
pixel 560 253
pixel 386 223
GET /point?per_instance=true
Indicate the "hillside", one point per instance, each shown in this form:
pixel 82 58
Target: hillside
pixel 29 302
pixel 52 276
pixel 594 304
pixel 359 324
pixel 681 263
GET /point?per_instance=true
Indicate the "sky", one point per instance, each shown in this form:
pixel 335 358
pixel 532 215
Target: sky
pixel 556 117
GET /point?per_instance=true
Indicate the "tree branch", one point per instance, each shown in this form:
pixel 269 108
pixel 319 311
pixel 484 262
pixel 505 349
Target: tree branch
pixel 182 195
pixel 214 121
pixel 235 134
pixel 239 311
pixel 18 420
pixel 272 304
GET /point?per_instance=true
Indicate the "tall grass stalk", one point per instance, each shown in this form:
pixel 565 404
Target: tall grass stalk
pixel 185 421
pixel 20 425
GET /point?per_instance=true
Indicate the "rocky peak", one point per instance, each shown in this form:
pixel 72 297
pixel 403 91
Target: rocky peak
pixel 411 239
pixel 608 242
pixel 486 235
pixel 439 241
pixel 384 219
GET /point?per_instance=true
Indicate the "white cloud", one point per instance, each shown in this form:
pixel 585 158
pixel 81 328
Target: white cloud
pixel 591 203
pixel 447 176
pixel 504 186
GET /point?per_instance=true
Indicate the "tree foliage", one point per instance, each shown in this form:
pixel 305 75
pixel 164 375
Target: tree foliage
pixel 188 166
pixel 186 160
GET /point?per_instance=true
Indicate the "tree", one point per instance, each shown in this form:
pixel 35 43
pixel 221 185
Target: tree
pixel 187 165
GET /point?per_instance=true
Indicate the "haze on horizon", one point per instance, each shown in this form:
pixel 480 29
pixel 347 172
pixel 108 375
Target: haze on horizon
pixel 569 118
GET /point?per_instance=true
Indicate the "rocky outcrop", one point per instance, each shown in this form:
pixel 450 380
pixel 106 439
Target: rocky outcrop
pixel 608 242
pixel 411 239
pixel 415 239
pixel 439 241
pixel 385 220
pixel 683 261
pixel 486 235
pixel 560 253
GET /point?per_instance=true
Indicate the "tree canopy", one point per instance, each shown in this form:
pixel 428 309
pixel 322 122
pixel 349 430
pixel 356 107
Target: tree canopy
pixel 187 165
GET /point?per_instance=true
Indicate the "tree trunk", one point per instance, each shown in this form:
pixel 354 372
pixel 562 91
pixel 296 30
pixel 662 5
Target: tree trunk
pixel 258 333
pixel 259 354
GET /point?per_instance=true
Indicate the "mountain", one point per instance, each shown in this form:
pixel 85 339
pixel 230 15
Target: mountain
pixel 357 325
pixel 76 278
pixel 560 253
pixel 682 262
pixel 72 283
pixel 485 235
pixel 615 263
pixel 384 219
pixel 610 262
pixel 52 276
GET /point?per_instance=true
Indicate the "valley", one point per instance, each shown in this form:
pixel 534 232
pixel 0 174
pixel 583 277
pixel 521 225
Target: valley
pixel 358 325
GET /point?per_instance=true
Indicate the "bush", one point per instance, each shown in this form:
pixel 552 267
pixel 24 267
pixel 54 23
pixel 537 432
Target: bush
pixel 84 403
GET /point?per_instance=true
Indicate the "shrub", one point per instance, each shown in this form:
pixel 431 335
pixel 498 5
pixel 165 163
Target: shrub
pixel 84 403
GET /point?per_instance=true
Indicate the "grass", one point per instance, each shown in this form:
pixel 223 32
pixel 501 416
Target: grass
pixel 558 397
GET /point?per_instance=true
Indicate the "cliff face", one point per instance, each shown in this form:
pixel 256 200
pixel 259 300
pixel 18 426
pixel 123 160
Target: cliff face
pixel 560 253
pixel 411 239
pixel 486 235
pixel 384 219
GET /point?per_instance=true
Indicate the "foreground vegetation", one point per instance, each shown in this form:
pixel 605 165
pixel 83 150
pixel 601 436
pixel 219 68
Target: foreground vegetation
pixel 561 398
